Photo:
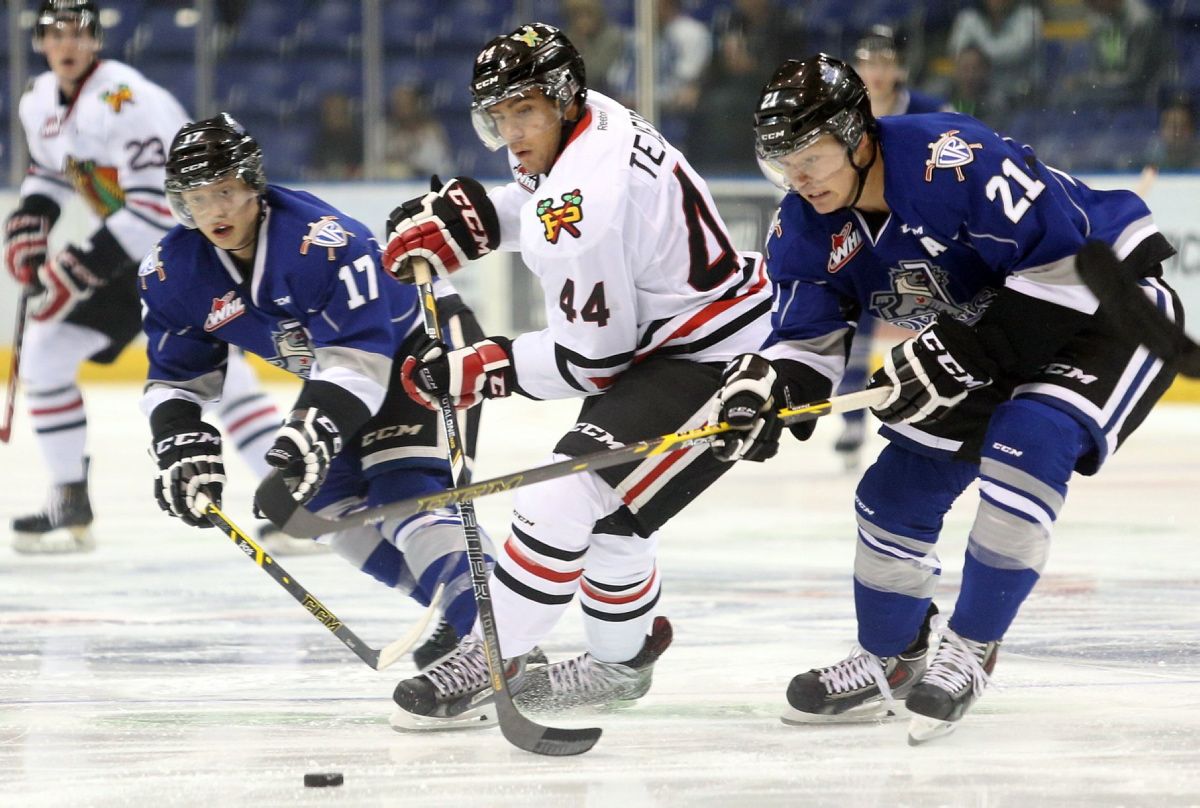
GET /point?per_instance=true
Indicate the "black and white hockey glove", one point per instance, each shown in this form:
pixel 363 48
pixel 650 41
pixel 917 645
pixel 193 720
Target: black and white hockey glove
pixel 26 237
pixel 449 226
pixel 746 402
pixel 931 373
pixel 303 450
pixel 468 375
pixel 188 453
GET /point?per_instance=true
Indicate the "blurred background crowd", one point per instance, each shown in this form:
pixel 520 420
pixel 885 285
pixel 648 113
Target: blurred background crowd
pixel 377 89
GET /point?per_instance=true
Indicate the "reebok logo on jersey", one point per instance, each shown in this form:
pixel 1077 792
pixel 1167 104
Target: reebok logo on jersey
pixel 564 217
pixel 846 245
pixel 118 98
pixel 950 151
pixel 225 308
pixel 325 232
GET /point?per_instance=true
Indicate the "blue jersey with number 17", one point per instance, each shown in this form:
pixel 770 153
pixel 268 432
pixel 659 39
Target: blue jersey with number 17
pixel 969 212
pixel 317 303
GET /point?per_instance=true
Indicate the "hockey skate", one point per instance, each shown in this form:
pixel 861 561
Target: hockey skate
pixel 862 687
pixel 65 526
pixel 444 639
pixel 278 543
pixel 849 444
pixel 585 681
pixel 454 693
pixel 956 678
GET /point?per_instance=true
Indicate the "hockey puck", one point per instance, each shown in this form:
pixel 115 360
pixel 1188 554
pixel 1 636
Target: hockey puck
pixel 322 779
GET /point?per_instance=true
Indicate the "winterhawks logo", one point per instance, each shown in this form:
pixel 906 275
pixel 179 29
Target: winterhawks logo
pixel 564 217
pixel 846 245
pixel 950 151
pixel 118 98
pixel 325 232
pixel 224 308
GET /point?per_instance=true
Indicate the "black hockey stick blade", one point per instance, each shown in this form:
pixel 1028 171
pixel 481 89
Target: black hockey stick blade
pixel 377 658
pixel 532 737
pixel 1132 313
pixel 275 499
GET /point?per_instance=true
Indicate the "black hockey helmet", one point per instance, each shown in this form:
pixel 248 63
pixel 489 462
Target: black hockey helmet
pixel 879 41
pixel 206 151
pixel 53 12
pixel 536 55
pixel 808 98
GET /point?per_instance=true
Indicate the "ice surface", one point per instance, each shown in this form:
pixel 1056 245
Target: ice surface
pixel 166 669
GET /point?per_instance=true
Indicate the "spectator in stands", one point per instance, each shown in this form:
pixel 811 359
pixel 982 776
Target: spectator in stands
pixel 879 60
pixel 1176 147
pixel 969 88
pixel 1125 55
pixel 415 143
pixel 1008 32
pixel 601 41
pixel 338 149
pixel 684 50
pixel 752 39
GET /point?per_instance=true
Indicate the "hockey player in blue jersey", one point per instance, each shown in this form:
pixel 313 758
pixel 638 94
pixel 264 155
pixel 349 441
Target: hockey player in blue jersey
pixel 879 60
pixel 282 274
pixel 937 224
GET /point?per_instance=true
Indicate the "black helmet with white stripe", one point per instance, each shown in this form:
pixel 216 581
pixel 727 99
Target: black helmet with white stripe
pixel 52 13
pixel 206 151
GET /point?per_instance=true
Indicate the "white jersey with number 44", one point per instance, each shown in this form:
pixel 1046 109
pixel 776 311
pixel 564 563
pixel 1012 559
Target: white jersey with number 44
pixel 633 258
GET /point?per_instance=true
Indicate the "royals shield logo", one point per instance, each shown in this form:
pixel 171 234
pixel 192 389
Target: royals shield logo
pixel 325 232
pixel 950 151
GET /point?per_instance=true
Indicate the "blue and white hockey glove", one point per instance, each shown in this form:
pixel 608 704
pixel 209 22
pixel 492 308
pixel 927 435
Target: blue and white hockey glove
pixel 303 450
pixel 746 402
pixel 931 373
pixel 188 453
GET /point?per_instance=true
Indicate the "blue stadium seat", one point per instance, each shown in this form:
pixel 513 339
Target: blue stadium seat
pixel 255 85
pixel 266 28
pixel 333 27
pixel 120 20
pixel 286 151
pixel 409 25
pixel 159 35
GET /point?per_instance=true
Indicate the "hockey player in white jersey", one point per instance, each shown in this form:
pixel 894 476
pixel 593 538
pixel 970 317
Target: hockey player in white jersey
pixel 646 301
pixel 98 129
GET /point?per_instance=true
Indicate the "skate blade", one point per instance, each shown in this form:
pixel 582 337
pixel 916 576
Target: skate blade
pixel 479 718
pixel 58 542
pixel 876 714
pixel 922 729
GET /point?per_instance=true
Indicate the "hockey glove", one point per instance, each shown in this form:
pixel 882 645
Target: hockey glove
pixel 452 224
pixel 747 403
pixel 26 235
pixel 931 373
pixel 303 450
pixel 468 375
pixel 188 453
pixel 64 282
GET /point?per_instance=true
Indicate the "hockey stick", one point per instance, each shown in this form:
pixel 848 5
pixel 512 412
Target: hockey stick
pixel 517 729
pixel 14 369
pixel 377 658
pixel 276 502
pixel 1134 316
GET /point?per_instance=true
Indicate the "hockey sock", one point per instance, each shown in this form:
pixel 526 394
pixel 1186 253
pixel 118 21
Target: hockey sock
pixel 60 426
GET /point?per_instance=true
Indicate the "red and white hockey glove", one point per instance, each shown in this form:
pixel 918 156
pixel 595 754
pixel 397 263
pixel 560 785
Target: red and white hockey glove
pixel 468 375
pixel 449 226
pixel 931 373
pixel 65 282
pixel 26 236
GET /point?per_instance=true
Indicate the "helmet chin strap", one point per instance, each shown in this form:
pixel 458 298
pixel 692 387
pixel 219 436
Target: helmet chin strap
pixel 862 172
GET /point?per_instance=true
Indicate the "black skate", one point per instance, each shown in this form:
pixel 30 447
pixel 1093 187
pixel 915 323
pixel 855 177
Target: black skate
pixel 585 681
pixel 444 639
pixel 65 526
pixel 862 687
pixel 956 678
pixel 454 693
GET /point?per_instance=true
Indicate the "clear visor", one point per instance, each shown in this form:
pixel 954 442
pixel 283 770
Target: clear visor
pixel 210 202
pixel 71 26
pixel 525 113
pixel 811 164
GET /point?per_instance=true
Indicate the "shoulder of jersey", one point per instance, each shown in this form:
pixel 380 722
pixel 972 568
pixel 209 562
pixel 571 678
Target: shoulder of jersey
pixel 168 270
pixel 313 227
pixel 122 91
